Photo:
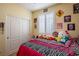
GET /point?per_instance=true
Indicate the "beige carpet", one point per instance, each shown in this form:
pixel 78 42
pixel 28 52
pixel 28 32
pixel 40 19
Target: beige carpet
pixel 14 54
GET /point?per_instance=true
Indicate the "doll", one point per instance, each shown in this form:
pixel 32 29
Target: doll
pixel 64 37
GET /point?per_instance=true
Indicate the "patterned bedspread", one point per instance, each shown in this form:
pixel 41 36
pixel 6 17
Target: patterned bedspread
pixel 75 48
pixel 48 49
pixel 45 50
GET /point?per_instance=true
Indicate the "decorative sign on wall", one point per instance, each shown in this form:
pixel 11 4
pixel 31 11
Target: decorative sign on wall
pixel 35 26
pixel 35 20
pixel 2 27
pixel 35 23
pixel 59 25
pixel 67 18
pixel 76 8
pixel 71 26
pixel 59 13
pixel 45 10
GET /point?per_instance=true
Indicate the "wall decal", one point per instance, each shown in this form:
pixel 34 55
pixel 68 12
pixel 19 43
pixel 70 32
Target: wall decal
pixel 71 26
pixel 67 18
pixel 59 13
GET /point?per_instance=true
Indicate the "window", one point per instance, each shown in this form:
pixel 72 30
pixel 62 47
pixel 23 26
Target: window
pixel 46 23
pixel 41 24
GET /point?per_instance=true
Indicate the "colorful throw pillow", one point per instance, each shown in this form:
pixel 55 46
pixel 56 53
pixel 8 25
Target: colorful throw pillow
pixel 46 36
pixel 39 36
pixel 49 37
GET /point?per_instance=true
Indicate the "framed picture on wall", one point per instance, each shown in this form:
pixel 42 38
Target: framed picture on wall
pixel 67 18
pixel 35 26
pixel 59 25
pixel 35 20
pixel 71 26
pixel 1 27
pixel 76 8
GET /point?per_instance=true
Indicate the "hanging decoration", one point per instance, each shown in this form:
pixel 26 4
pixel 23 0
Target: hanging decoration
pixel 60 13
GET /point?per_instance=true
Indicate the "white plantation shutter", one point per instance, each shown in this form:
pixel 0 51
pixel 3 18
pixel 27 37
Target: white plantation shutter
pixel 41 24
pixel 46 23
pixel 50 24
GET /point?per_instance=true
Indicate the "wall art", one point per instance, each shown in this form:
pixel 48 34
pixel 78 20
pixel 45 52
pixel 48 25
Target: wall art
pixel 67 18
pixel 71 26
pixel 59 25
pixel 76 8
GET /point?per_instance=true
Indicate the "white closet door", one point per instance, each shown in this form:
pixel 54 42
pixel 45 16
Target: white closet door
pixel 24 30
pixel 50 23
pixel 41 24
pixel 17 32
pixel 12 34
pixel 7 33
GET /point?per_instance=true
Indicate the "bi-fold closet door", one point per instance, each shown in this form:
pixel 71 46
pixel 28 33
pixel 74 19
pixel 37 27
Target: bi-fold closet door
pixel 17 30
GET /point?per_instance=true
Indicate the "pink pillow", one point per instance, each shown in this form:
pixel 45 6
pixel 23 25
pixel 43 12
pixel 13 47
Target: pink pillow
pixel 68 43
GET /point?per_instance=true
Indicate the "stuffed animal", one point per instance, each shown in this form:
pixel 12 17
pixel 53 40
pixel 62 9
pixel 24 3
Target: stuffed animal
pixel 58 38
pixel 64 37
pixel 33 36
pixel 55 34
pixel 51 38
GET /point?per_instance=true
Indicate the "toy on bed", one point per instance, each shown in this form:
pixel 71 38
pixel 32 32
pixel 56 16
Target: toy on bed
pixel 44 36
pixel 57 38
pixel 64 37
pixel 48 36
pixel 61 37
pixel 33 35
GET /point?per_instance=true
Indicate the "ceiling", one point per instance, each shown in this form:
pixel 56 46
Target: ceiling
pixel 35 6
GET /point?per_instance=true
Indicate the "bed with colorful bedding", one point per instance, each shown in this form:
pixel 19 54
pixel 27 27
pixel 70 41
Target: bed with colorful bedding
pixel 60 44
pixel 44 48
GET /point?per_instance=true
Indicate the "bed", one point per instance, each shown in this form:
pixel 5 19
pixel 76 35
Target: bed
pixel 40 47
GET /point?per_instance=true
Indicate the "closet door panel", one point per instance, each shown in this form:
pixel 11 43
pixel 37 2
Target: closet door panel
pixel 25 30
pixel 15 32
pixel 7 33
